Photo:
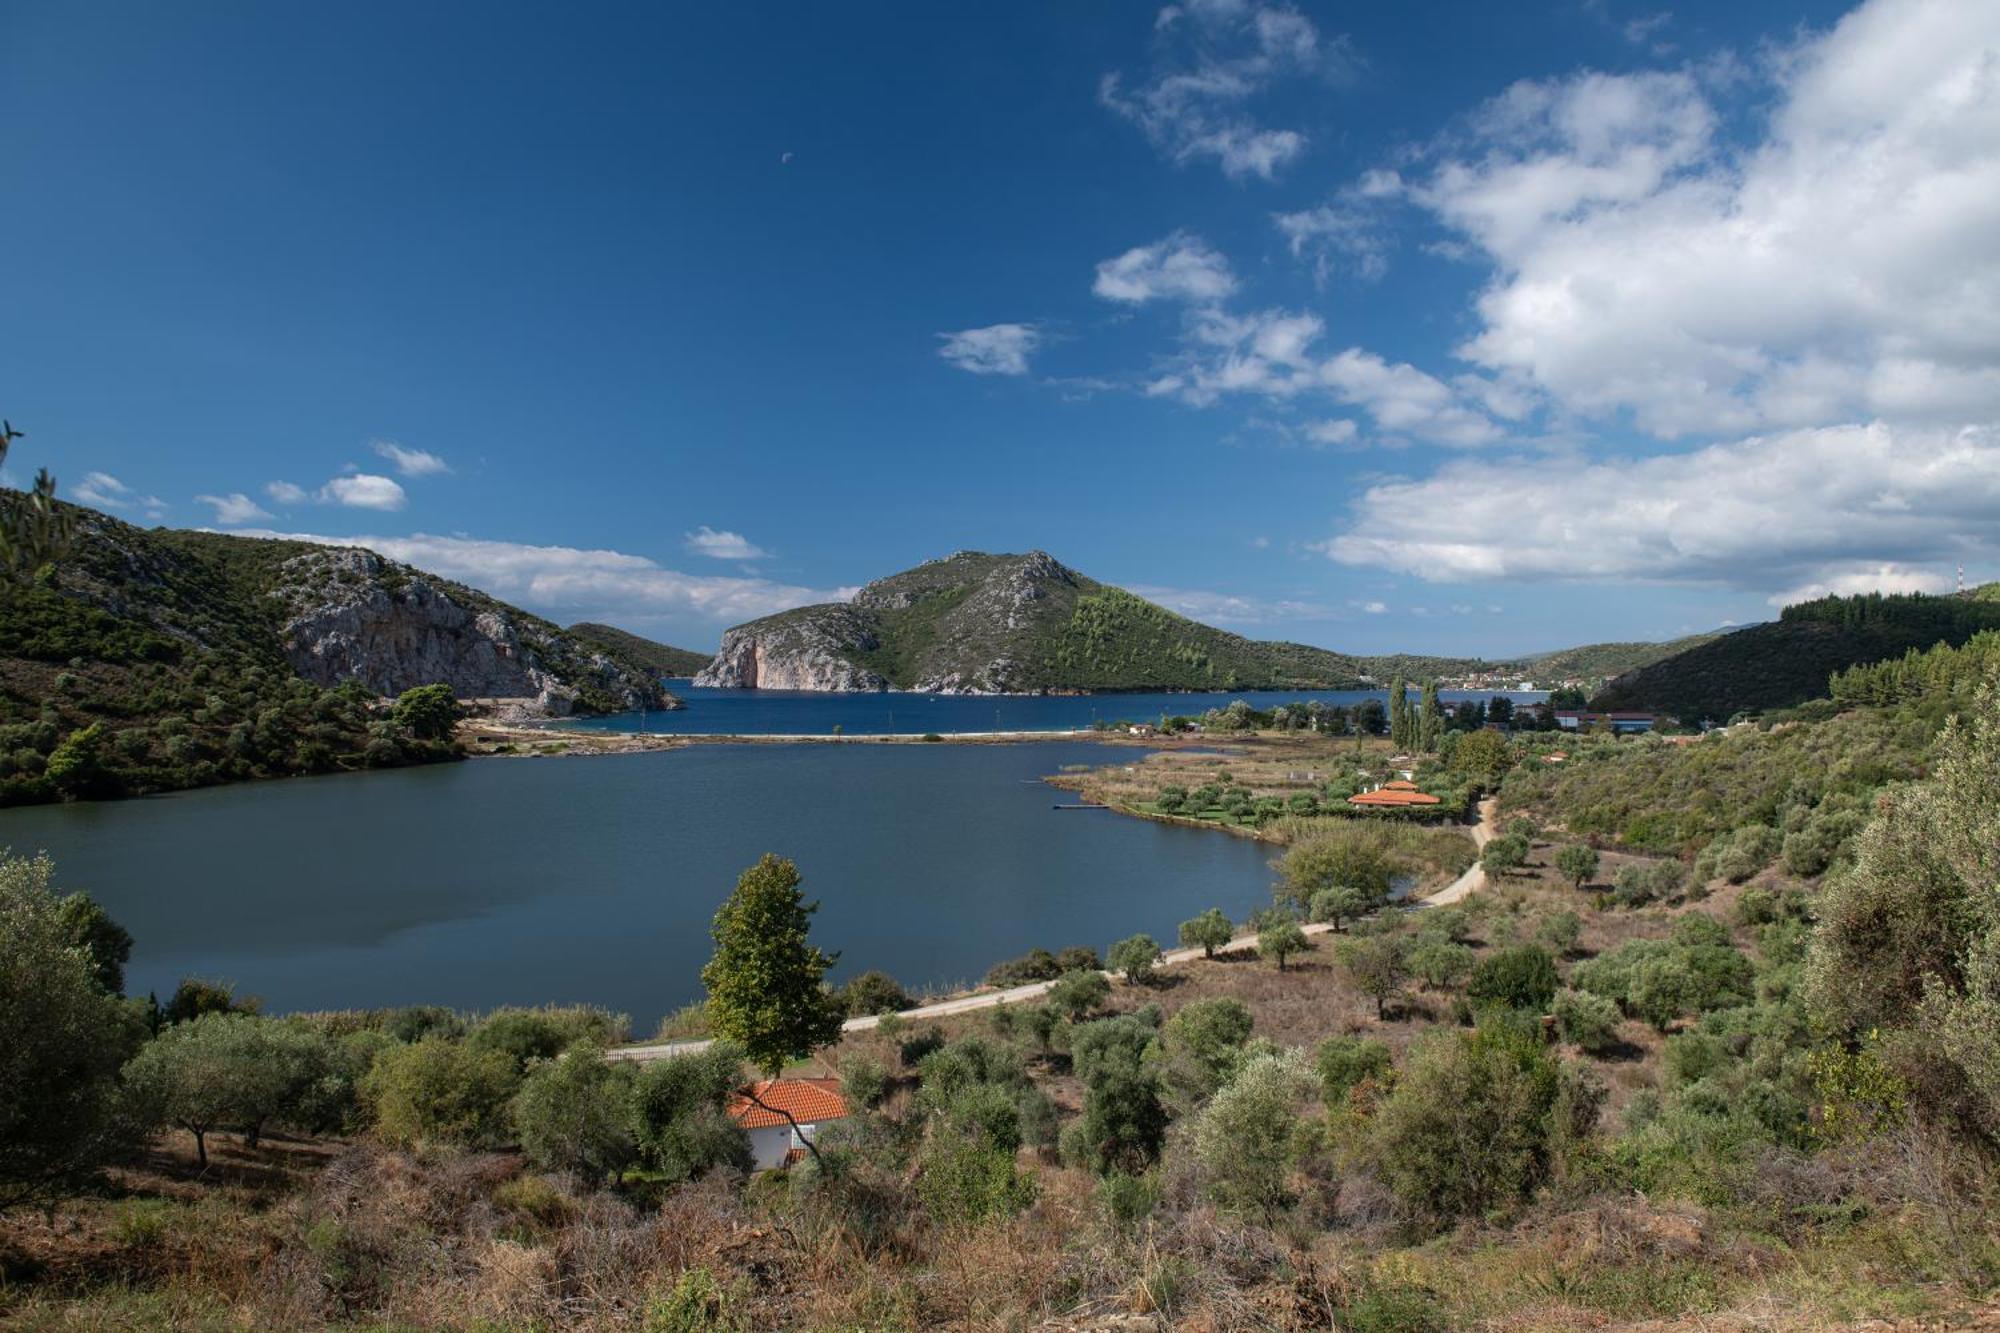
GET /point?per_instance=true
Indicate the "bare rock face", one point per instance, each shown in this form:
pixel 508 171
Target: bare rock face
pixel 801 653
pixel 351 615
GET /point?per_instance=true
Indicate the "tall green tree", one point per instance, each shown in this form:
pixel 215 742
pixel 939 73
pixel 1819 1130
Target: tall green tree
pixel 63 1112
pixel 1211 930
pixel 766 982
pixel 1399 714
pixel 106 944
pixel 1430 719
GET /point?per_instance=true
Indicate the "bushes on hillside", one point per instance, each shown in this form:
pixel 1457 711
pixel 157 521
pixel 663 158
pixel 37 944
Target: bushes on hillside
pixel 1521 977
pixel 439 1091
pixel 1693 972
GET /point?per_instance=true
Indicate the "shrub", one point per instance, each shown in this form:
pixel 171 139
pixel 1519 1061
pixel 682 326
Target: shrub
pixel 1559 933
pixel 1123 1122
pixel 427 712
pixel 527 1035
pixel 195 997
pixel 964 1180
pixel 1035 965
pixel 1590 1021
pixel 1171 800
pixel 1344 1063
pixel 1201 1046
pixel 912 1049
pixel 1348 858
pixel 1135 957
pixel 1078 958
pixel 1080 994
pixel 864 1081
pixel 1744 852
pixel 1756 907
pixel 1439 963
pixel 1241 1139
pixel 573 1114
pixel 677 1109
pixel 1473 1123
pixel 873 992
pixel 438 1091
pixel 1523 977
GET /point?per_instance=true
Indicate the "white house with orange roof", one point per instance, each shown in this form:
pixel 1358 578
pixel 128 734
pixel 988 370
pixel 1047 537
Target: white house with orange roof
pixel 774 1141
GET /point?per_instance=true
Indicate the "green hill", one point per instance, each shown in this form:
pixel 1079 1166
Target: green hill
pixel 154 659
pixel 1789 660
pixel 663 660
pixel 979 623
pixel 1602 661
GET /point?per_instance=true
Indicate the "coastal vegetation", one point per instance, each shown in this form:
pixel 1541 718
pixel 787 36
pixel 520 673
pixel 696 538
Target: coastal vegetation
pixel 663 660
pixel 1748 1101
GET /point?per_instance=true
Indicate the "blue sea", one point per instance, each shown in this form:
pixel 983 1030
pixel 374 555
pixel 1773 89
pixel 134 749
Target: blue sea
pixel 811 713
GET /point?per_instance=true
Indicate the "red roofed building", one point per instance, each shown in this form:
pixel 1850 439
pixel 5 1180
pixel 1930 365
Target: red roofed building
pixel 809 1101
pixel 1392 796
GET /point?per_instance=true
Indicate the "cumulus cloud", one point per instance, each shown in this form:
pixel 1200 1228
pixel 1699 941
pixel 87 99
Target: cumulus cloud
pixel 1847 507
pixel 285 493
pixel 1231 609
pixel 105 491
pixel 705 540
pixel 997 349
pixel 410 462
pixel 1214 58
pixel 1844 266
pixel 234 509
pixel 1180 268
pixel 363 490
pixel 568 583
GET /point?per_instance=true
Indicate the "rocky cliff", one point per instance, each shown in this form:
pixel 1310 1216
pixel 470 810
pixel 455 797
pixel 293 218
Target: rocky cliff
pixel 974 623
pixel 349 614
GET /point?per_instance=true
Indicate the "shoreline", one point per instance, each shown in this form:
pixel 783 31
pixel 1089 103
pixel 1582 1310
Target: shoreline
pixel 489 740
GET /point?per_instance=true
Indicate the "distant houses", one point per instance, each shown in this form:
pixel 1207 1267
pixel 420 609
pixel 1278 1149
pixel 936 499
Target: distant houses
pixel 1623 724
pixel 1398 795
pixel 774 1141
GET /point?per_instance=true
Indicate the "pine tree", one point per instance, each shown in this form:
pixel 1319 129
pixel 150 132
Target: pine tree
pixel 1430 724
pixel 1399 715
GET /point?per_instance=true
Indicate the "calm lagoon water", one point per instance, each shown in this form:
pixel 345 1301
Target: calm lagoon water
pixel 809 713
pixel 504 881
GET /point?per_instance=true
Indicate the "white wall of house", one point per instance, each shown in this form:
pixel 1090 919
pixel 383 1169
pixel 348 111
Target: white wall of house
pixel 769 1147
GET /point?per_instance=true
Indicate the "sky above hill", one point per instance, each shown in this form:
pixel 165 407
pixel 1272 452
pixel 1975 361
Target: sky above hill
pixel 1449 327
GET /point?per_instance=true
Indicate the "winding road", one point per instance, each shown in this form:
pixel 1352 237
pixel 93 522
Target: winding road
pixel 1471 881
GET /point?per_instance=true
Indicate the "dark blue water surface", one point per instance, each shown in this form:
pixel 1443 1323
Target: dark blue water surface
pixel 810 713
pixel 513 881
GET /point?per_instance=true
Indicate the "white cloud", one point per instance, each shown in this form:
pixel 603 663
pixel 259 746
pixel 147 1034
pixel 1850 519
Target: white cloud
pixel 107 492
pixel 1214 58
pixel 1348 233
pixel 568 583
pixel 1840 506
pixel 1230 609
pixel 1376 608
pixel 1844 266
pixel 285 493
pixel 1181 268
pixel 1406 400
pixel 997 349
pixel 410 462
pixel 1338 430
pixel 705 540
pixel 1881 578
pixel 234 509
pixel 362 490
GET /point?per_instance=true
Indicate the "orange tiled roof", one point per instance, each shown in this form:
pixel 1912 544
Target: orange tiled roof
pixel 1400 784
pixel 808 1099
pixel 1387 797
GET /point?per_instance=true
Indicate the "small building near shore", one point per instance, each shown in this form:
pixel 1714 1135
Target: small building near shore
pixel 1394 795
pixel 1620 723
pixel 774 1142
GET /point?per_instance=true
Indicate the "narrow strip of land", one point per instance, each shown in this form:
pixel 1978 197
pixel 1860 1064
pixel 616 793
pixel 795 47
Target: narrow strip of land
pixel 1471 881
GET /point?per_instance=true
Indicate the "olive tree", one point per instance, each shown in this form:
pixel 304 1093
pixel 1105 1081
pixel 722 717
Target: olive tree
pixel 1280 939
pixel 572 1114
pixel 1135 958
pixel 1211 930
pixel 1577 863
pixel 227 1071
pixel 1376 964
pixel 679 1118
pixel 63 1112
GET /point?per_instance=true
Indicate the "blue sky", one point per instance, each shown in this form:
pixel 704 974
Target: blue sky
pixel 1451 327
